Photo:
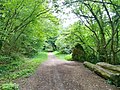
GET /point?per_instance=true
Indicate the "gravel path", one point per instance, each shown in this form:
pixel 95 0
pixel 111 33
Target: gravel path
pixel 56 74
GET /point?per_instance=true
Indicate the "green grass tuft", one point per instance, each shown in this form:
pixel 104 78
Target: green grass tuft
pixel 68 57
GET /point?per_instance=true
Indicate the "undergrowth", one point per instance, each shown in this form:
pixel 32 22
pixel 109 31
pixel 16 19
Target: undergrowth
pixel 22 67
pixel 9 86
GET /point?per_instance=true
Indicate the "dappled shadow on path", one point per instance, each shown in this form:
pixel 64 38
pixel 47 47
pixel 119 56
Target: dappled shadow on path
pixel 55 74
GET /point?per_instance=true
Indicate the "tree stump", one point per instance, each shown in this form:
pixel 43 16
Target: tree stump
pixel 78 53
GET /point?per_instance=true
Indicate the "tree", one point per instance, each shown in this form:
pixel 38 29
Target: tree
pixel 101 18
pixel 25 26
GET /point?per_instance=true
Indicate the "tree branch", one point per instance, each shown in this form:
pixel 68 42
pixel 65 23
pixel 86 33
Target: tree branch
pixel 99 2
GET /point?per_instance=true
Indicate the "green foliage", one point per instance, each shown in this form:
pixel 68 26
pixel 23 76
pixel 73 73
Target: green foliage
pixel 98 18
pixel 25 26
pixel 21 68
pixel 10 86
pixel 1 44
pixel 60 55
pixel 63 56
pixel 4 59
pixel 49 45
pixel 62 44
pixel 97 29
pixel 69 57
pixel 92 58
pixel 91 38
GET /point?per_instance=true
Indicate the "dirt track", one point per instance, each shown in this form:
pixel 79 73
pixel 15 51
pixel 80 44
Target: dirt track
pixel 56 74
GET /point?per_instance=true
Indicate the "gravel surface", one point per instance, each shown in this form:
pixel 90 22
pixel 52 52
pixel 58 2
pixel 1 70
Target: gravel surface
pixel 55 74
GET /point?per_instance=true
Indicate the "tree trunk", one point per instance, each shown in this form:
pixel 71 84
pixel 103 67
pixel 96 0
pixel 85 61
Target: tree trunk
pixel 109 66
pixel 105 73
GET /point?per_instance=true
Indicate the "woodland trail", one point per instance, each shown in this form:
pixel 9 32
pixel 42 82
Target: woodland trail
pixel 55 74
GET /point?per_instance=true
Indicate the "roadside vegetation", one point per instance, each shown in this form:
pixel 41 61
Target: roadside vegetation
pixel 19 68
pixel 63 56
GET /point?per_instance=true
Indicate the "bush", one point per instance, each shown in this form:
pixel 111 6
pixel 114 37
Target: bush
pixel 10 86
pixel 68 57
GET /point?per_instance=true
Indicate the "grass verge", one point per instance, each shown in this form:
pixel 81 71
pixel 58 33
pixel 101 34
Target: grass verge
pixel 63 56
pixel 21 68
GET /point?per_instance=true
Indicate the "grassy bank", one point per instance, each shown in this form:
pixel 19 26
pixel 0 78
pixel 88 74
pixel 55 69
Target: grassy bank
pixel 62 56
pixel 21 68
